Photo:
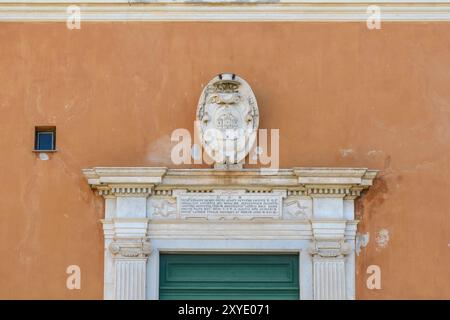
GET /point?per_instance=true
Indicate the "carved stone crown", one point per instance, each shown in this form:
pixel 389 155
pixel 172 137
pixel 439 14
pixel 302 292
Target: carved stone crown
pixel 226 86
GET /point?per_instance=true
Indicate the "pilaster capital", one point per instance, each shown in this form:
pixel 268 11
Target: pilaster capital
pixel 329 238
pixel 329 249
pixel 130 248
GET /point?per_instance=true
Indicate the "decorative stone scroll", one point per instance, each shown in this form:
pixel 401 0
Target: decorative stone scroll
pixel 130 248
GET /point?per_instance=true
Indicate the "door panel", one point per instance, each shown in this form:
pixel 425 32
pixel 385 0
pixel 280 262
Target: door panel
pixel 229 276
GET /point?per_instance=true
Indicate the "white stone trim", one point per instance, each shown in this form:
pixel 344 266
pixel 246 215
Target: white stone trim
pixel 284 10
pixel 131 279
pixel 231 246
pixel 328 271
pixel 239 230
pixel 312 180
pixel 126 252
pixel 143 2
pixel 321 228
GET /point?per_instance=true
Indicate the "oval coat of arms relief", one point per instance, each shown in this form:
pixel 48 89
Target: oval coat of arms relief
pixel 227 119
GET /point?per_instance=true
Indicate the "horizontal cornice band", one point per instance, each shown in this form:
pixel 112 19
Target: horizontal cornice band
pixel 120 10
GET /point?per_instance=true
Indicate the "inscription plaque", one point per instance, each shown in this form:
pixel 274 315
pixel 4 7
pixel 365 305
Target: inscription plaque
pixel 229 205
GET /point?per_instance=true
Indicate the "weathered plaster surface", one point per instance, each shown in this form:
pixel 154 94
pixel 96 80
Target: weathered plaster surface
pixel 115 90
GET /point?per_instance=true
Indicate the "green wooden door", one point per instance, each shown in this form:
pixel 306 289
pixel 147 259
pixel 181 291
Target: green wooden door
pixel 228 276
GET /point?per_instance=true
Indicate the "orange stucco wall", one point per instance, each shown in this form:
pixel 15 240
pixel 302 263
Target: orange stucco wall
pixel 340 94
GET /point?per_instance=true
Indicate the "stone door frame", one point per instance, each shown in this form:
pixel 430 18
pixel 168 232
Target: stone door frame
pixel 142 219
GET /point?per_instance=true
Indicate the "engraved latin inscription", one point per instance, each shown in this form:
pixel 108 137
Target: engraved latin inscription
pixel 229 205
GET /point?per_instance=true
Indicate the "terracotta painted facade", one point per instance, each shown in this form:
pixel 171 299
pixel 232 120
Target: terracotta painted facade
pixel 341 95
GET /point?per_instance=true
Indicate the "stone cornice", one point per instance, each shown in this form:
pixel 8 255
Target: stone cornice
pixel 360 176
pixel 124 181
pixel 100 175
pixel 336 182
pixel 215 10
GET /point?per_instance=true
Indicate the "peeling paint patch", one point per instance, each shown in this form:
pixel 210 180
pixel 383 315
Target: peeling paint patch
pixel 374 153
pixel 43 156
pixel 382 239
pixel 346 152
pixel 362 240
pixel 159 151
